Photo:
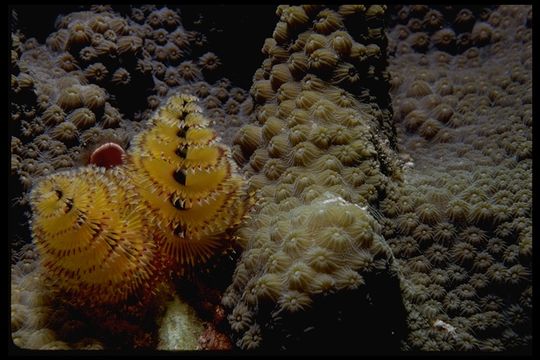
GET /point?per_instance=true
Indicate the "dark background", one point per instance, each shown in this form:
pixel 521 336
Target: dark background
pixel 238 41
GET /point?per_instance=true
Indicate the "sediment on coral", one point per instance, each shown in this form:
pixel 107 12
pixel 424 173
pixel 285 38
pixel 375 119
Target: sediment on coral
pixel 180 327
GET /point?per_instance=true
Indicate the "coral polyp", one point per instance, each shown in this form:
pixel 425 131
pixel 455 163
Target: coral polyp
pixel 189 182
pixel 90 238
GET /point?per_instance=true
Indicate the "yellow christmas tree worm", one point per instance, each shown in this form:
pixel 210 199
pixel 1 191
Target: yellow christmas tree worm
pixel 91 235
pixel 104 233
pixel 188 181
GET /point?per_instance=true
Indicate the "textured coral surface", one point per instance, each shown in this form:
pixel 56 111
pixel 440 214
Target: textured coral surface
pixel 319 155
pixel 461 223
pixel 388 158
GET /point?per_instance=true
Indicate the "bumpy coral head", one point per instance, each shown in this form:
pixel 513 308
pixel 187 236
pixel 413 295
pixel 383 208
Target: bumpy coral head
pixel 189 181
pixel 90 240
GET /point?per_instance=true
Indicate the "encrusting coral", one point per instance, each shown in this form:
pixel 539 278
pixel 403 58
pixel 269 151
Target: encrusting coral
pixel 311 234
pixel 464 234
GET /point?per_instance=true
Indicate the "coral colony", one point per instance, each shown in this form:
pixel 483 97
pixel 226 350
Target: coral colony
pixel 379 167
